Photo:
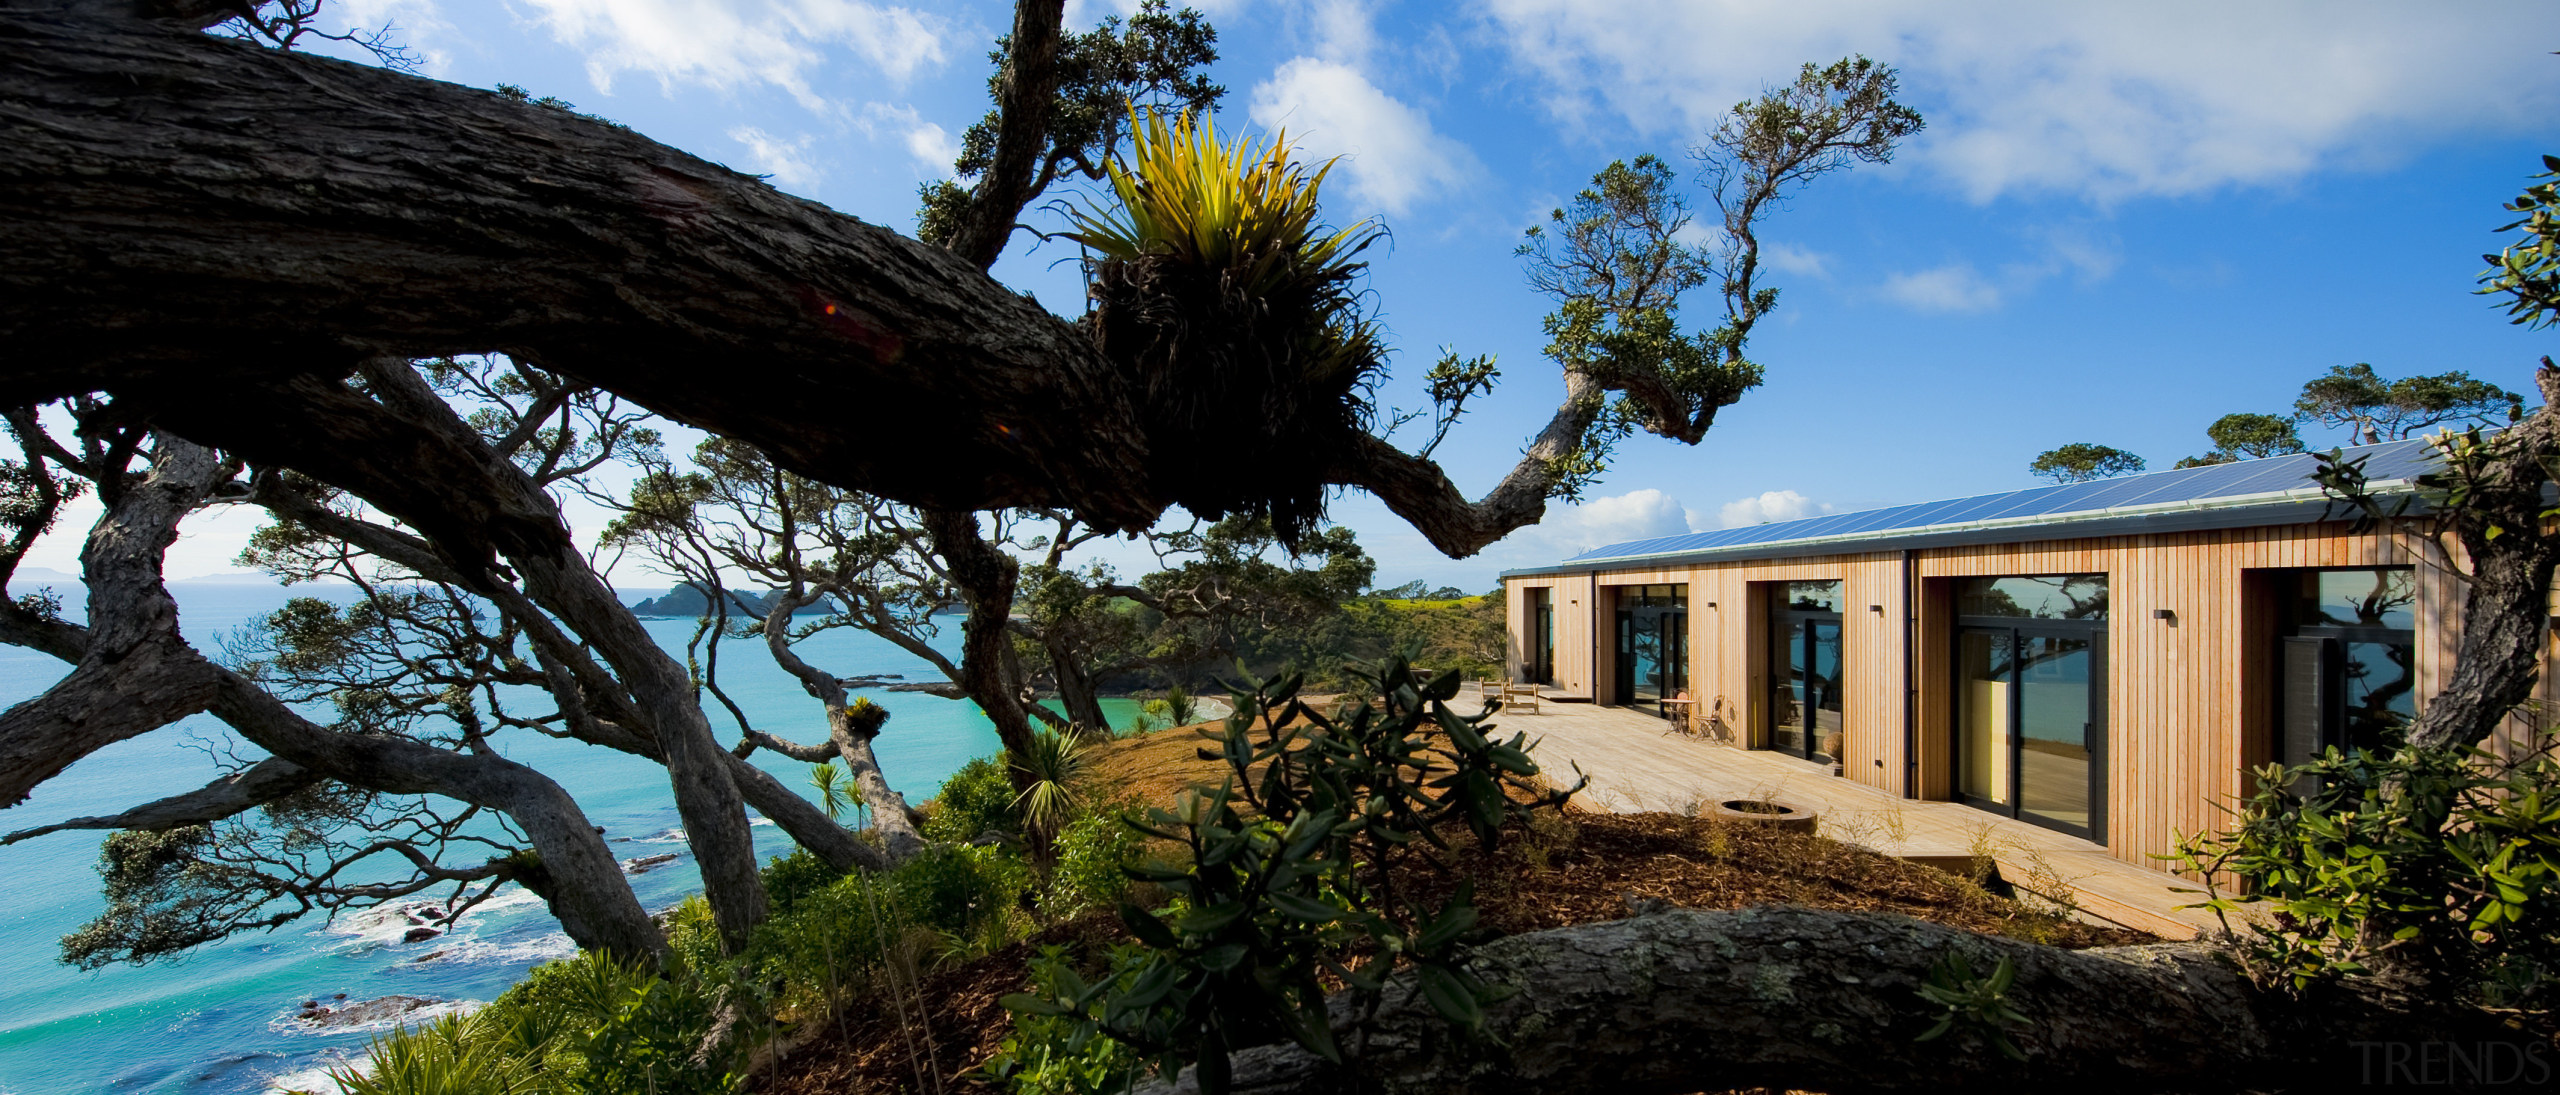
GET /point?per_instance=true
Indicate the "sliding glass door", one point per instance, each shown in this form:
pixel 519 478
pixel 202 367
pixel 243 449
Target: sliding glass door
pixel 1804 664
pixel 2030 701
pixel 1653 645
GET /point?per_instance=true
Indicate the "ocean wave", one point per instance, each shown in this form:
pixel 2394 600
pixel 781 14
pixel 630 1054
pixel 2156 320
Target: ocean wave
pixel 543 948
pixel 292 1022
pixel 315 1080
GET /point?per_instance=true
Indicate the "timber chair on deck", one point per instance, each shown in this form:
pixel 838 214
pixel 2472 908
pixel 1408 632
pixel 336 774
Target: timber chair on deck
pixel 1520 697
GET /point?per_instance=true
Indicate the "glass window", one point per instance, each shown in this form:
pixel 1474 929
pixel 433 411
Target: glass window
pixel 1670 596
pixel 1808 596
pixel 2050 597
pixel 2375 597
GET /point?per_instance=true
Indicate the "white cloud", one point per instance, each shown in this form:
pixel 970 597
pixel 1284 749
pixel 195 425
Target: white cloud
pixel 742 42
pixel 2106 101
pixel 1768 506
pixel 787 161
pixel 1787 258
pixel 933 147
pixel 1954 287
pixel 1392 158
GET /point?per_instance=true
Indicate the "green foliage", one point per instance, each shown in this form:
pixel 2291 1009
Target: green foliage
pixel 1175 708
pixel 1290 872
pixel 1617 263
pixel 789 878
pixel 1217 285
pixel 2334 850
pixel 2081 461
pixel 453 1055
pixel 1053 768
pixel 586 1024
pixel 977 799
pixel 2247 437
pixel 834 791
pixel 1064 1053
pixel 1155 57
pixel 1976 1003
pixel 969 894
pixel 1092 858
pixel 2373 409
pixel 2527 271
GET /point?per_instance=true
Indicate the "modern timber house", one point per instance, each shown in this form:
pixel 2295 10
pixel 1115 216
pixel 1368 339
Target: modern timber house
pixel 2108 659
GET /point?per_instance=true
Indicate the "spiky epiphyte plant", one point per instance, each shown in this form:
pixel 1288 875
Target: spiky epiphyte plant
pixel 1215 282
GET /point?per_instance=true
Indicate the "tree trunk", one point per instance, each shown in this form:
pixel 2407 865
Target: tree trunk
pixel 851 736
pixel 986 577
pixel 1075 688
pixel 1792 998
pixel 135 673
pixel 179 211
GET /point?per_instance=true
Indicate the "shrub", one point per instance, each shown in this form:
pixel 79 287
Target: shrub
pixel 1055 1055
pixel 789 878
pixel 976 799
pixel 1290 870
pixel 2448 856
pixel 966 893
pixel 1094 855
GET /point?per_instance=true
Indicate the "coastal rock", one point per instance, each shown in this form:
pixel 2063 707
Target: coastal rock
pixel 362 1012
pixel 648 863
pixel 419 935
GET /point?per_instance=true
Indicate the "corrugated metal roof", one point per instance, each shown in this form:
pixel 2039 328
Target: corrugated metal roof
pixel 2275 481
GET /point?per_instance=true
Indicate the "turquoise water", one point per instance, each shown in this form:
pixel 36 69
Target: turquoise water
pixel 220 1019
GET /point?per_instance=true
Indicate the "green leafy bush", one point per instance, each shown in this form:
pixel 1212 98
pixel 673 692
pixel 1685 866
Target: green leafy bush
pixel 1094 854
pixel 976 799
pixel 2349 853
pixel 967 893
pixel 1290 873
pixel 1057 1055
pixel 789 878
pixel 583 1024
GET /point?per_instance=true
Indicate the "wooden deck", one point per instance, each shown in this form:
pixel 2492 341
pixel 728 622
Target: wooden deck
pixel 1635 764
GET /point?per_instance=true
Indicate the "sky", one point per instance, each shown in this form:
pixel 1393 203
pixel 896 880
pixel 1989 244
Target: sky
pixel 2121 222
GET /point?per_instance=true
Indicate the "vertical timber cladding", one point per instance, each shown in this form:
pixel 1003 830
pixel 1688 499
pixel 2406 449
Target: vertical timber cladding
pixel 1570 595
pixel 2180 725
pixel 1727 661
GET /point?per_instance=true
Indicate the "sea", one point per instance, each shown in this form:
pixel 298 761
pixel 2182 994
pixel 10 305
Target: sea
pixel 223 1018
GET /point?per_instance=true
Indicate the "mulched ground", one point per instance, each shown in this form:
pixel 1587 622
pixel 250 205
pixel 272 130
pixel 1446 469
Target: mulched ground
pixel 1571 869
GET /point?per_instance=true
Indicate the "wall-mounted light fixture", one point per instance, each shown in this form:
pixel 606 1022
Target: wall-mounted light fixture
pixel 1879 609
pixel 2164 614
pixel 1711 604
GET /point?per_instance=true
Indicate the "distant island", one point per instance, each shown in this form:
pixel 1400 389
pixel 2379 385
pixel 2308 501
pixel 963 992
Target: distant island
pixel 688 601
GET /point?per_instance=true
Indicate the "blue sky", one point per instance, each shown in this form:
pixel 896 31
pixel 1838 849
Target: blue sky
pixel 2122 222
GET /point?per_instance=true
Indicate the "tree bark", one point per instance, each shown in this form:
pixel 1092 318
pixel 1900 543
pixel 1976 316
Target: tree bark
pixel 236 793
pixel 1791 998
pixel 850 736
pixel 179 211
pixel 1075 687
pixel 2506 609
pixel 134 673
pixel 986 576
pixel 1027 94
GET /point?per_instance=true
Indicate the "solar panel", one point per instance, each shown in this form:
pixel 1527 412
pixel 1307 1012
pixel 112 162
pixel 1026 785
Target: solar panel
pixel 2392 460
